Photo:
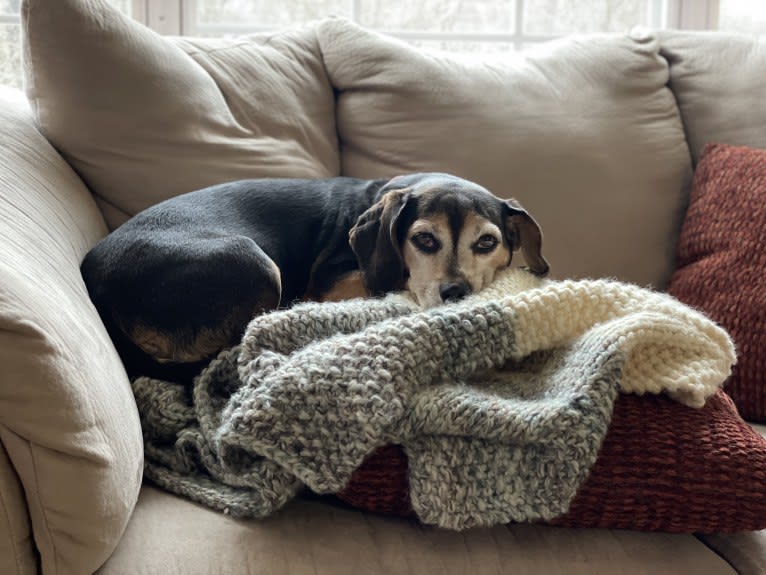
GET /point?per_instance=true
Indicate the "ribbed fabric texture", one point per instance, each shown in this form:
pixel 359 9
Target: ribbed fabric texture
pixel 722 262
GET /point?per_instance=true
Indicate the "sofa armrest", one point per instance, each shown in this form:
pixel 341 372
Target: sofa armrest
pixel 17 550
pixel 67 416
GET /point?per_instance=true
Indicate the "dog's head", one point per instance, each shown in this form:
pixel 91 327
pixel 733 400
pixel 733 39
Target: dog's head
pixel 441 237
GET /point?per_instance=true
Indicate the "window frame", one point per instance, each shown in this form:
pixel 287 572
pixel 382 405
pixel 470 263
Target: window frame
pixel 681 14
pixel 177 18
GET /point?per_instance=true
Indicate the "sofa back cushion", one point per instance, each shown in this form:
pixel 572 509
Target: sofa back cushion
pixel 143 117
pixel 67 416
pixel 583 131
pixel 719 82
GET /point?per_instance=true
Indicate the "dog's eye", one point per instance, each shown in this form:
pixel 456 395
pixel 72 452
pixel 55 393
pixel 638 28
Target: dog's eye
pixel 485 244
pixel 426 242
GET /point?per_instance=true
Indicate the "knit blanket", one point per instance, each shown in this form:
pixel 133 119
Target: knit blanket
pixel 500 402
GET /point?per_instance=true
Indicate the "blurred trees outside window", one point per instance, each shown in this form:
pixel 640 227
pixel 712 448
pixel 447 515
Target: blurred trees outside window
pixel 477 26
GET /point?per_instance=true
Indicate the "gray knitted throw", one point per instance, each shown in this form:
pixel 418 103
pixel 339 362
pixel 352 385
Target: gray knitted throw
pixel 501 402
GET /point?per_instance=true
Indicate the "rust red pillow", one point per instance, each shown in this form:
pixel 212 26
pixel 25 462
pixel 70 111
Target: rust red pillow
pixel 721 265
pixel 663 467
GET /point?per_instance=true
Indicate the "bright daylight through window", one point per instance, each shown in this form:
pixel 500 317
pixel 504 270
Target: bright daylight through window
pixel 461 25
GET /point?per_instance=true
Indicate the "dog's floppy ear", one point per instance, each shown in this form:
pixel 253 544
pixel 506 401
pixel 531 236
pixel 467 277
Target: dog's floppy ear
pixel 375 241
pixel 523 233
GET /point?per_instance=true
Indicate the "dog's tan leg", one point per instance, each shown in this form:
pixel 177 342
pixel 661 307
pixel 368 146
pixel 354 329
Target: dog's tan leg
pixel 347 287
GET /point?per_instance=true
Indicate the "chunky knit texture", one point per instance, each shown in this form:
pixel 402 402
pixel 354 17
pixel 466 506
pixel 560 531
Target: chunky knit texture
pixel 501 402
pixel 722 261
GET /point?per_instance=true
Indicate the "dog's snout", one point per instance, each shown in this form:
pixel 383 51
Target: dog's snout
pixel 454 291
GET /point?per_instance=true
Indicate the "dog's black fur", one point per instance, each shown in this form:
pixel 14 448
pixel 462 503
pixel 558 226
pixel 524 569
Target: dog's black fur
pixel 197 267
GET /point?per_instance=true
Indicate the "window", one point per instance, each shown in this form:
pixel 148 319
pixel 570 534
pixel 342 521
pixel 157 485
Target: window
pixel 743 15
pixel 463 25
pixel 10 39
pixel 10 43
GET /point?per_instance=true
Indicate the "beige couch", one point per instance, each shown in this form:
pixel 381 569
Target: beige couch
pixel 596 135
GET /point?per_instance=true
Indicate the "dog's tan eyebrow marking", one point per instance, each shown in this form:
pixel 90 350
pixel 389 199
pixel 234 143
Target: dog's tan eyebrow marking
pixel 482 227
pixel 477 225
pixel 436 225
pixel 422 225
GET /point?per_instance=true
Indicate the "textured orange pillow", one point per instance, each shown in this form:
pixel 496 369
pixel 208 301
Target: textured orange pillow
pixel 663 467
pixel 722 262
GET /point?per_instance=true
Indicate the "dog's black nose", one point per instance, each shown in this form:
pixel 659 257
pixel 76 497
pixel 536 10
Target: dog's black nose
pixel 454 291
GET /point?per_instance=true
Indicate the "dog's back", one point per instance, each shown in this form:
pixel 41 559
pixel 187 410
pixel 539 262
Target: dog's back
pixel 180 280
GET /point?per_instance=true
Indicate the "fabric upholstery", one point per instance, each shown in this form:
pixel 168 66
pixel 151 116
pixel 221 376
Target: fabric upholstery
pixel 718 80
pixel 17 549
pixel 67 417
pixel 746 552
pixel 647 475
pixel 142 117
pixel 573 129
pixel 722 261
pixel 168 535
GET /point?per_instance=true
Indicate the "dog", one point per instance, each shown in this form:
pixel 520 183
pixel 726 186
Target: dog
pixel 181 280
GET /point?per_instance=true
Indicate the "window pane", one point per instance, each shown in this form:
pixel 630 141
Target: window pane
pixel 558 17
pixel 743 16
pixel 123 5
pixel 265 13
pixel 9 6
pixel 439 15
pixel 466 47
pixel 10 55
pixel 10 40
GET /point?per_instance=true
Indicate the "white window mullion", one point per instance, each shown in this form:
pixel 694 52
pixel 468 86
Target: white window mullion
pixel 138 10
pixel 163 16
pixel 356 10
pixel 189 17
pixel 658 14
pixel 693 14
pixel 518 25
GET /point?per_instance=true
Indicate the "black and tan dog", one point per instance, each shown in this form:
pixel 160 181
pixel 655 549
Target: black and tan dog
pixel 180 281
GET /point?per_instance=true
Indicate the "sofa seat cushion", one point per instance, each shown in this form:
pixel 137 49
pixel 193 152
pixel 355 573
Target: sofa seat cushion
pixel 143 117
pixel 574 129
pixel 662 467
pixel 722 262
pixel 67 416
pixel 170 535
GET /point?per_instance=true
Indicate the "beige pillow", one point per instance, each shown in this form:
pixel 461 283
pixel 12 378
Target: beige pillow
pixel 67 416
pixel 583 131
pixel 143 117
pixel 719 80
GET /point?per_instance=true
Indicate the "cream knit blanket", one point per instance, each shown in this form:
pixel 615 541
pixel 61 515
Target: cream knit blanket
pixel 501 401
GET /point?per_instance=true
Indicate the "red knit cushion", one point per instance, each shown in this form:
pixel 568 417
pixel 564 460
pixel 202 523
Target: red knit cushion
pixel 663 467
pixel 722 262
